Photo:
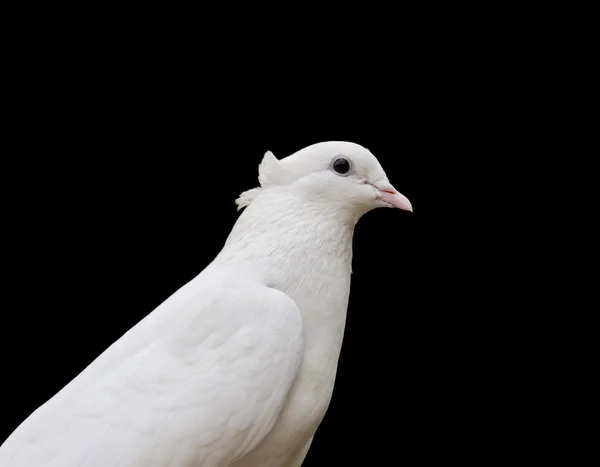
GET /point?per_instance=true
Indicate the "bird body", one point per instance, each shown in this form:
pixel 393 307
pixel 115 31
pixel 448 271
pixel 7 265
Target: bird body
pixel 237 367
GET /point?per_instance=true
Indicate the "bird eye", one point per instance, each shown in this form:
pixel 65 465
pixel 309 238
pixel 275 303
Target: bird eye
pixel 341 166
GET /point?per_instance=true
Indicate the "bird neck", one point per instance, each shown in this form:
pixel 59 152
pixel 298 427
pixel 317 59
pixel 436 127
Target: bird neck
pixel 296 246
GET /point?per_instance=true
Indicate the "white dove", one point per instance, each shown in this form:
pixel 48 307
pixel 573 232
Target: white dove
pixel 237 367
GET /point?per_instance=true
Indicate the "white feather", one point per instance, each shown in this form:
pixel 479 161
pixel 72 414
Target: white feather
pixel 235 369
pixel 201 378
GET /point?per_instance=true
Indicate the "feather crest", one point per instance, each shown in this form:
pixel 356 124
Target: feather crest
pixel 267 175
pixel 247 197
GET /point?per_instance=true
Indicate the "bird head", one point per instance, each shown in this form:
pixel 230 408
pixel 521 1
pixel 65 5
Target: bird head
pixel 333 172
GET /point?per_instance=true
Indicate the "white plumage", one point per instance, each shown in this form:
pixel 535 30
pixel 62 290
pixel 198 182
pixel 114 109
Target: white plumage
pixel 237 367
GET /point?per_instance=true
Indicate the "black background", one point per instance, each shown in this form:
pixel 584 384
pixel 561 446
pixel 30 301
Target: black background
pixel 128 163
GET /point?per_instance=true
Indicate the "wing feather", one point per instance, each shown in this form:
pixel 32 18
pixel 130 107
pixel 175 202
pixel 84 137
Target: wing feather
pixel 199 381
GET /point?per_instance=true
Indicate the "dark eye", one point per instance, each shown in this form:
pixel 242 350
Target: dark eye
pixel 341 166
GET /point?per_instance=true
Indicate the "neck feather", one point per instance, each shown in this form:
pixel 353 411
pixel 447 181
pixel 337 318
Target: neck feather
pixel 292 243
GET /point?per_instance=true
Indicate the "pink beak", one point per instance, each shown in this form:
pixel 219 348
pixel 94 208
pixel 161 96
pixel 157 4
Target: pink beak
pixel 390 195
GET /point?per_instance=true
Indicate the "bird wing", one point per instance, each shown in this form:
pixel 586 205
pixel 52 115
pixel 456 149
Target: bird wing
pixel 200 381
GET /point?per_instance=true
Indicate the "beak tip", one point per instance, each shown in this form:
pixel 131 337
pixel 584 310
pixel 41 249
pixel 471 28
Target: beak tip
pixel 401 202
pixel 389 194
